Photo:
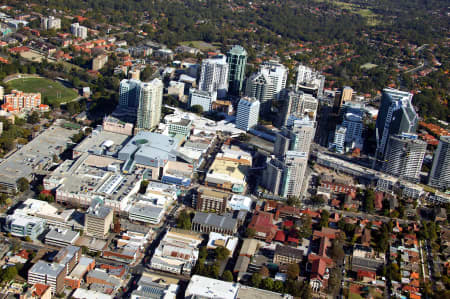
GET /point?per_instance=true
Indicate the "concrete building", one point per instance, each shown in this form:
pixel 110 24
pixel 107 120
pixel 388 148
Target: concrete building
pixel 176 89
pixel 287 255
pixel 298 105
pixel 135 74
pixel 202 98
pixel 227 175
pixel 78 30
pixel 266 85
pixel 309 80
pixel 99 62
pixel 48 274
pixel 404 156
pixel 48 23
pixel 440 171
pixel 297 137
pixel 353 122
pixel 150 101
pixel 211 200
pixel 98 220
pixel 148 287
pixel 239 202
pixel 146 213
pixel 247 113
pixel 294 173
pixel 18 101
pixel 208 222
pixel 214 76
pixel 338 142
pixel 208 288
pixel 20 225
pixel 149 149
pixel 272 177
pixel 61 237
pixel 237 60
pixel 112 124
pixel 181 127
pixel 347 94
pixel 395 116
pixel 177 252
pixel 177 173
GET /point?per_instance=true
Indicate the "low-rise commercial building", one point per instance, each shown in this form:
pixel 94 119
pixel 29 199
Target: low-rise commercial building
pixel 47 274
pixel 228 175
pixel 147 287
pixel 61 237
pixel 207 222
pixel 208 288
pixel 287 255
pixel 177 173
pixel 24 226
pixel 211 200
pixel 177 252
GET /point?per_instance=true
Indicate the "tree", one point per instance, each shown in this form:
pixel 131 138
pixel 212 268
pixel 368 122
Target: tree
pixel 264 272
pixel 256 280
pixel 202 253
pixel 334 280
pixel 27 239
pixel 278 286
pixel 227 276
pixel 214 271
pixel 197 109
pixel 305 230
pixel 33 118
pixel 267 284
pixel 250 232
pixel 143 186
pixel 221 253
pixel 23 184
pixel 337 252
pixel 368 203
pixel 8 274
pixel 293 200
pixel 324 217
pixel 184 220
pixel 293 271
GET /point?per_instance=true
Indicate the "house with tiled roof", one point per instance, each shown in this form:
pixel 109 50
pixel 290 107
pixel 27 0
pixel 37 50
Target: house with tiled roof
pixel 262 223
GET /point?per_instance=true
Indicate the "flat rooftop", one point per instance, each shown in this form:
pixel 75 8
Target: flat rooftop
pixel 211 288
pixel 35 155
pixel 101 141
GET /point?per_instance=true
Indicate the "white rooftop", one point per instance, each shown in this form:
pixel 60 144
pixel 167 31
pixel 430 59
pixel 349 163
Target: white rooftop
pixel 205 287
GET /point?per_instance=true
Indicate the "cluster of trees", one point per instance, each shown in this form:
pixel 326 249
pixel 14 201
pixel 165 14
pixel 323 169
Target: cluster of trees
pixel 213 269
pixel 184 220
pixel 291 286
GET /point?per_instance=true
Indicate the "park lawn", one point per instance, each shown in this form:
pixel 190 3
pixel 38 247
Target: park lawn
pixel 54 91
pixel 201 45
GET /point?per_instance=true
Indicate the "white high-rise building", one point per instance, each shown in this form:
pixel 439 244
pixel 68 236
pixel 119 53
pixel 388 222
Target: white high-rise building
pixel 404 156
pixel 338 143
pixel 309 80
pixel 150 102
pixel 294 173
pixel 298 105
pixel 266 85
pixel 247 113
pixel 78 30
pixel 440 171
pixel 50 23
pixel 214 75
pixel 202 98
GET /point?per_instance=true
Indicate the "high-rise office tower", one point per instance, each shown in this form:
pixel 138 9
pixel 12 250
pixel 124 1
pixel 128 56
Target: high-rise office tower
pixel 395 116
pixel 247 113
pixel 202 98
pixel 237 60
pixel 404 156
pixel 150 102
pixel 129 92
pixel 309 80
pixel 267 84
pixel 352 120
pixel 214 75
pixel 298 105
pixel 440 171
pixel 347 94
pixel 297 137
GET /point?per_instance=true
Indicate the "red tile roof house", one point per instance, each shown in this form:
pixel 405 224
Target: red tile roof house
pixel 262 223
pixel 366 276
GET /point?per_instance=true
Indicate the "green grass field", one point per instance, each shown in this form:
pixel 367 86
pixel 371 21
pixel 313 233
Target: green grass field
pixel 53 90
